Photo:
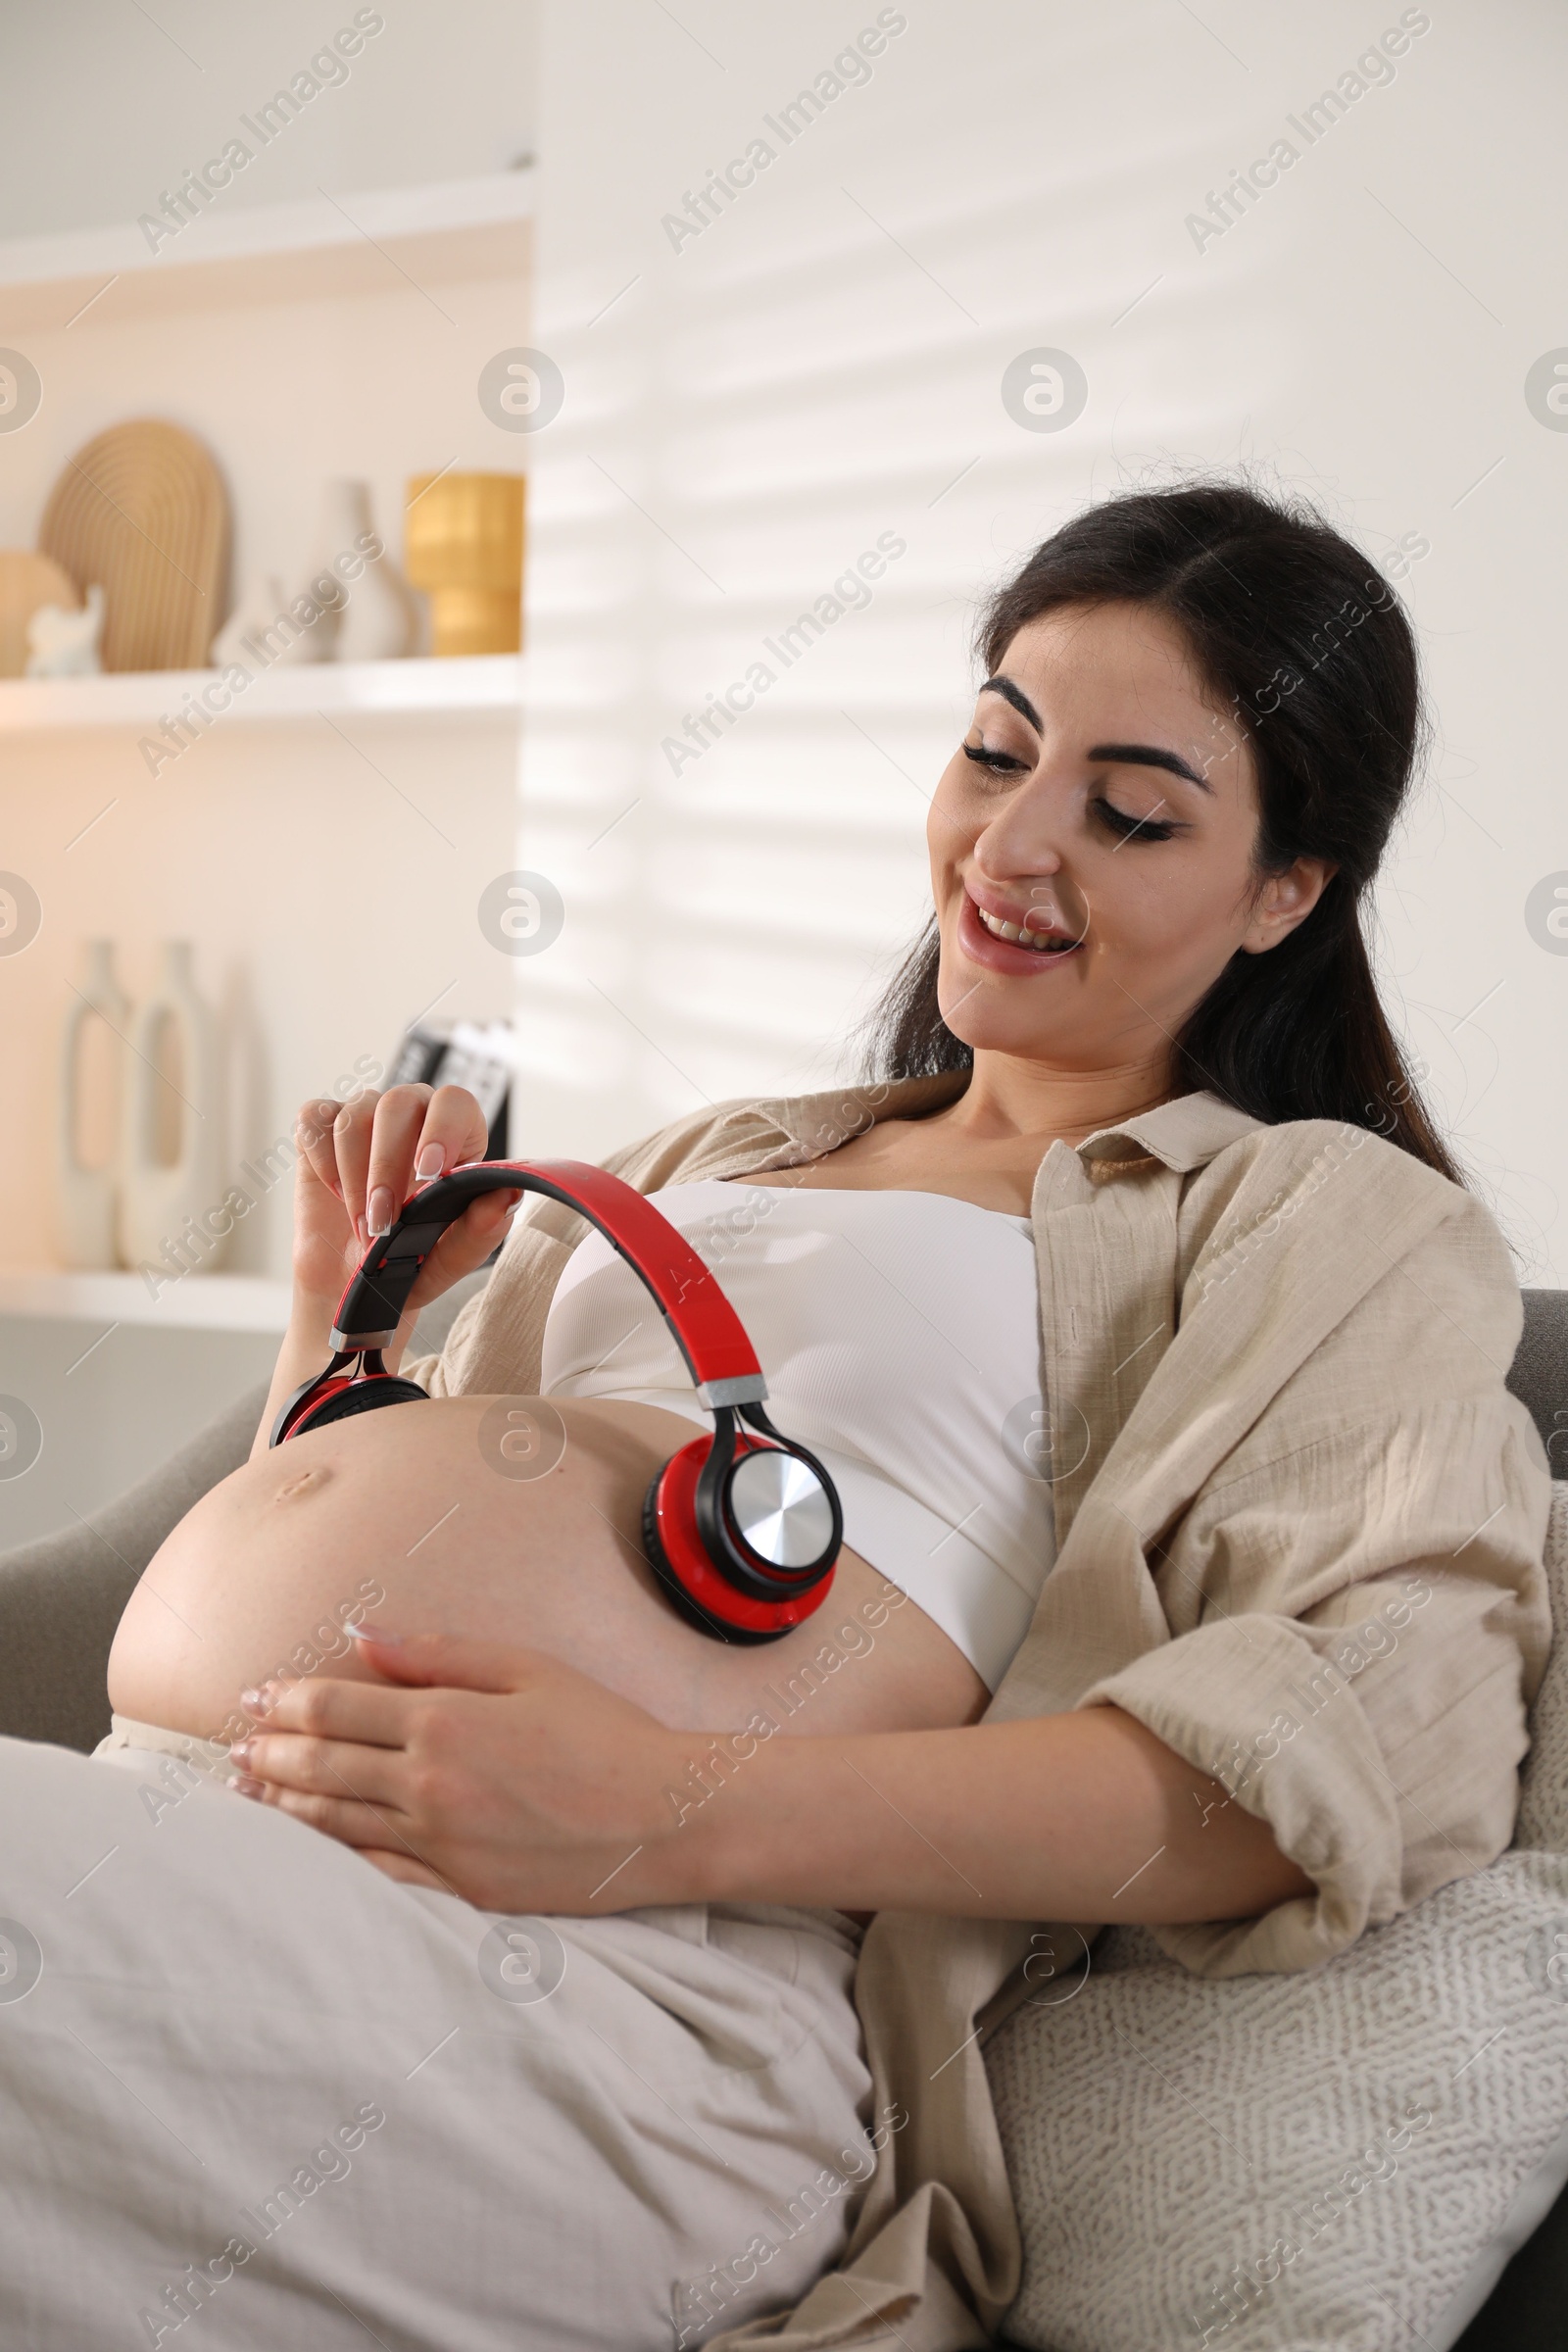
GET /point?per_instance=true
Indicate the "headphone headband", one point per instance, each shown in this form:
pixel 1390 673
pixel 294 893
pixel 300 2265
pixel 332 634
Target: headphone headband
pixel 742 1528
pixel 702 1322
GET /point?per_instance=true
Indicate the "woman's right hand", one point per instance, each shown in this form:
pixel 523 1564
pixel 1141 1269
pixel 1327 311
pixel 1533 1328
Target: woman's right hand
pixel 359 1160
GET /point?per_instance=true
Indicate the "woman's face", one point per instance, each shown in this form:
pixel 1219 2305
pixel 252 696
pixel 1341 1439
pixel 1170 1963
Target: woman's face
pixel 1104 807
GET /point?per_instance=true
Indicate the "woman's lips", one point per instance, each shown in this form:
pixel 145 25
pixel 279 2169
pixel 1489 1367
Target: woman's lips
pixel 983 947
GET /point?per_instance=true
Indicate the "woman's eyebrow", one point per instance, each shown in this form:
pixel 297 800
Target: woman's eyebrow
pixel 1127 755
pixel 1016 696
pixel 1147 755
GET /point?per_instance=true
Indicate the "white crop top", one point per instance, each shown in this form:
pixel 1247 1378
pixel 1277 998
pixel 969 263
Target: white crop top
pixel 899 1334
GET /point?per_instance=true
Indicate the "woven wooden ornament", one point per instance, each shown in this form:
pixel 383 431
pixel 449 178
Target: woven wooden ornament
pixel 143 511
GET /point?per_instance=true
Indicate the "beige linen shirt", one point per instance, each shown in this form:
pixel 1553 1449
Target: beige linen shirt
pixel 1300 1527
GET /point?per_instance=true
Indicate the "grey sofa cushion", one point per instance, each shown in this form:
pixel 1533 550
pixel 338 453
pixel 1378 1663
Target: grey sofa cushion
pixel 1204 2160
pixel 1107 2098
pixel 61 1598
pixel 1538 1373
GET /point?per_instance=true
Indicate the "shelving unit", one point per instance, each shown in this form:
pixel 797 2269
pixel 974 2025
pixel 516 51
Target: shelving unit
pixel 484 686
pixel 198 1302
pixel 358 243
pixel 340 336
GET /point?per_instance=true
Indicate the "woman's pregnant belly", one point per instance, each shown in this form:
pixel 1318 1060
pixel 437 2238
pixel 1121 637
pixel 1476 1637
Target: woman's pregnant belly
pixel 413 1517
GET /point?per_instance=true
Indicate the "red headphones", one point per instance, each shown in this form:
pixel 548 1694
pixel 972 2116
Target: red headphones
pixel 742 1531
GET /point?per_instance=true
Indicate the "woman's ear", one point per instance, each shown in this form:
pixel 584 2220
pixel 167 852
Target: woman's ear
pixel 1284 900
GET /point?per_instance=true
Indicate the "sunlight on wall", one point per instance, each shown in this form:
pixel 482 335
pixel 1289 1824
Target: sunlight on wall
pixel 749 407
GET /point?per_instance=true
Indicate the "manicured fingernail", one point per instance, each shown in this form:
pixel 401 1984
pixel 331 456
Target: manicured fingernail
pixel 247 1788
pixel 430 1162
pixel 241 1752
pixel 380 1211
pixel 373 1632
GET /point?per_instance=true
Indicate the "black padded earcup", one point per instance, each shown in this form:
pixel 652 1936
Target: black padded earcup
pixel 689 1606
pixel 359 1396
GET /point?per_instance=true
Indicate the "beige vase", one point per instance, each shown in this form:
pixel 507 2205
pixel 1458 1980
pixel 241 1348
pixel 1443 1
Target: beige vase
pixel 172 1189
pixel 92 1095
pixel 376 621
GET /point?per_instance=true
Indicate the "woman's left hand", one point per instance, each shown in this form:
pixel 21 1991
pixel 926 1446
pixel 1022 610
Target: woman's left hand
pixel 499 1775
pixel 507 1778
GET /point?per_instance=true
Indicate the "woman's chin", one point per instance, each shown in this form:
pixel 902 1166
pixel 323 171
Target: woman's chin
pixel 992 1014
pixel 1020 1040
pixel 1038 1026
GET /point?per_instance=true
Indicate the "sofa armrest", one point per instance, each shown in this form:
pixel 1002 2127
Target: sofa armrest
pixel 61 1598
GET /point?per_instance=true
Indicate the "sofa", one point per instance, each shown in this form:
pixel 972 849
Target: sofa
pixel 61 1599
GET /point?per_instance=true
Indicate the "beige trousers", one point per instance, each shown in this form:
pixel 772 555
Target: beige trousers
pixel 255 2095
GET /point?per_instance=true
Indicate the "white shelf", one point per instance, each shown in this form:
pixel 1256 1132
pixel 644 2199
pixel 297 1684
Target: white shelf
pixel 478 686
pixel 443 233
pixel 195 1302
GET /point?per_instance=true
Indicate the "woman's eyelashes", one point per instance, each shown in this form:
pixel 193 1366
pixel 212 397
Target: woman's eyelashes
pixel 1119 821
pixel 1126 827
pixel 984 756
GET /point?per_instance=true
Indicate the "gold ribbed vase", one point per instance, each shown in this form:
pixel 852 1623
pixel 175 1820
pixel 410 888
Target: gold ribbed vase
pixel 463 545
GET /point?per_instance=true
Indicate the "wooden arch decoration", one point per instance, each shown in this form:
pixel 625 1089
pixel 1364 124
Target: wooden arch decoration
pixel 142 510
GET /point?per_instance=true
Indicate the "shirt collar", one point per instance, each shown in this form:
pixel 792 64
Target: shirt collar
pixel 815 1124
pixel 1182 1135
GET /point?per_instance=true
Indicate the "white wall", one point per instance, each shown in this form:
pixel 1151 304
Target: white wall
pixel 825 358
pixel 101 103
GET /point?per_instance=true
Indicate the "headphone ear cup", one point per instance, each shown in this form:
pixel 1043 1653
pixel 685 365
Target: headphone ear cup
pixel 705 1595
pixel 358 1396
pixel 689 1606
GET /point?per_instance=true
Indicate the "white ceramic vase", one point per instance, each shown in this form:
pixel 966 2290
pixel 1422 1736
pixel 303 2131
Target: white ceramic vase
pixel 169 1206
pixel 87 1195
pixel 377 622
pixel 253 639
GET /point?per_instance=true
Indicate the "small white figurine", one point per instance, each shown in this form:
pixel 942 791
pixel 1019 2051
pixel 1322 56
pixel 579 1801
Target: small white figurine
pixel 62 644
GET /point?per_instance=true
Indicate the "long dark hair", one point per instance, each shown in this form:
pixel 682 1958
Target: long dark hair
pixel 1303 642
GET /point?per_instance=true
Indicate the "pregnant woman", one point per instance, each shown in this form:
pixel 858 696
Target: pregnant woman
pixel 1157 1353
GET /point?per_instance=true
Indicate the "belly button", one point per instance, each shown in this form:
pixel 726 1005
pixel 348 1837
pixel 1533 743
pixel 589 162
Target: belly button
pixel 300 1486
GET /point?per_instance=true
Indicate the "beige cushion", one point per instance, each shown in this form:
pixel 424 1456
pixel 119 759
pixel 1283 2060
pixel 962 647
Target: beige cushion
pixel 1244 2162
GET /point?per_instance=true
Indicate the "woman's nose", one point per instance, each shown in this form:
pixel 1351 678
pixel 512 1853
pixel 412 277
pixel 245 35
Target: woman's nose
pixel 1022 839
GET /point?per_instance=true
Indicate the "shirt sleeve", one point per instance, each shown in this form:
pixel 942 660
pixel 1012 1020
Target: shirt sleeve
pixel 1359 1615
